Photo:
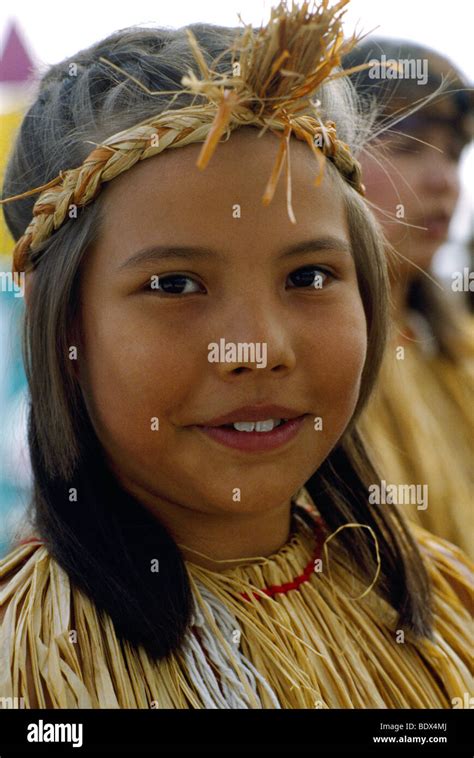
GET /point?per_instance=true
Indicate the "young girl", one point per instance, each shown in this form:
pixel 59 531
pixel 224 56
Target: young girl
pixel 197 362
pixel 420 422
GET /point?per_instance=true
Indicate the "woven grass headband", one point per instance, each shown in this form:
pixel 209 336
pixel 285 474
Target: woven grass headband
pixel 274 72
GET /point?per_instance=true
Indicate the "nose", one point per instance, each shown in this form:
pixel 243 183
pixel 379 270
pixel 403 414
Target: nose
pixel 258 343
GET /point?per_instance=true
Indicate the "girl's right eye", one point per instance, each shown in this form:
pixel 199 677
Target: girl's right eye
pixel 171 284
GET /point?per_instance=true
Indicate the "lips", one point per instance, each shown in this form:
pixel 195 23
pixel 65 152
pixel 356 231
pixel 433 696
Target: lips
pixel 254 413
pixel 255 442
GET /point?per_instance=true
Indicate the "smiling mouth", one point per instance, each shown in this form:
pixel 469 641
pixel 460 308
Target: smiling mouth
pixel 257 436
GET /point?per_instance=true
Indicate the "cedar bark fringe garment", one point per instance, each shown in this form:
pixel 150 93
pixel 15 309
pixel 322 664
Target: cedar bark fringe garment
pixel 306 647
pixel 419 427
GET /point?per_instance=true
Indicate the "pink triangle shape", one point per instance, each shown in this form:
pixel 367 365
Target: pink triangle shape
pixel 15 63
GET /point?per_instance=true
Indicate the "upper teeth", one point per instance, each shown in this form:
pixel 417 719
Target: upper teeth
pixel 257 426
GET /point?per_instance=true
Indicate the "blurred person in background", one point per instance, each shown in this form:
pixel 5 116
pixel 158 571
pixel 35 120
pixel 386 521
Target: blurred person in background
pixel 420 423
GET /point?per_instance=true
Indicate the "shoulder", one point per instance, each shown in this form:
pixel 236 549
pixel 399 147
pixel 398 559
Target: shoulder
pixel 20 561
pixel 18 567
pixel 36 611
pixel 17 570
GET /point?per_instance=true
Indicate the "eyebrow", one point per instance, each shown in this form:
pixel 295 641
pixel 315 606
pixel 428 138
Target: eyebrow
pixel 155 253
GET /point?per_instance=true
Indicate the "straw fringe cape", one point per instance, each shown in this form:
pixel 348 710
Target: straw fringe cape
pixel 419 427
pixel 306 643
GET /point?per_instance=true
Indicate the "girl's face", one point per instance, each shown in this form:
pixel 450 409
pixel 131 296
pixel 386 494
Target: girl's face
pixel 417 184
pixel 226 269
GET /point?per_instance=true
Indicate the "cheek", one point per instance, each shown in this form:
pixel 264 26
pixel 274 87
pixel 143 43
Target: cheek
pixel 395 196
pixel 378 179
pixel 336 350
pixel 134 375
pixel 393 183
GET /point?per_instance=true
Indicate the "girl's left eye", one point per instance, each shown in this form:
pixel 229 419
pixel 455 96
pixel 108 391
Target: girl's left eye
pixel 310 276
pixel 173 284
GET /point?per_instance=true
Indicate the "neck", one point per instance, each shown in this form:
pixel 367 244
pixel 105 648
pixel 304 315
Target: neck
pixel 225 539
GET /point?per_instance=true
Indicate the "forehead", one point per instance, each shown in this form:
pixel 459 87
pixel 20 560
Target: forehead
pixel 168 199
